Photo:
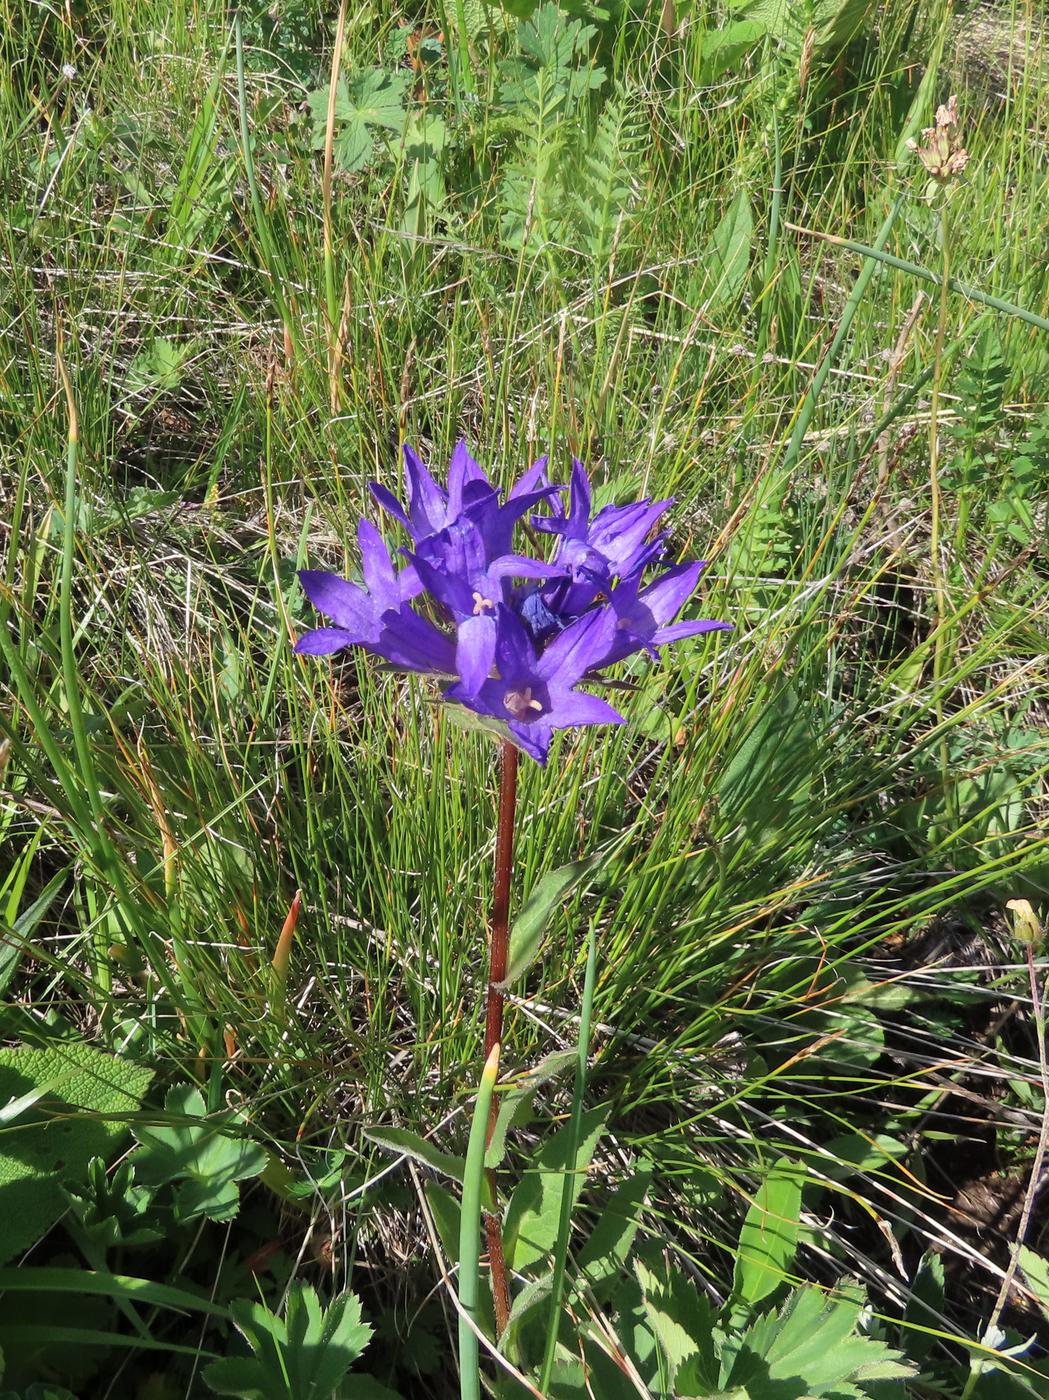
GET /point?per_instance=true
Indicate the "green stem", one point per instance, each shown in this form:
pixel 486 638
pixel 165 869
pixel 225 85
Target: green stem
pixel 470 1234
pixel 1008 308
pixel 69 672
pixel 564 1225
pixel 939 581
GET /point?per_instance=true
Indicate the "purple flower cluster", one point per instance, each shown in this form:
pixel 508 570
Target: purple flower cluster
pixel 518 634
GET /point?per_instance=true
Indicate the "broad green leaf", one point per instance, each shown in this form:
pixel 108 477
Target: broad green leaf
pixel 515 1101
pixel 727 255
pixel 52 1143
pixel 534 1210
pixel 404 1143
pixel 769 1237
pixel 723 48
pixel 530 926
pixel 1036 1276
pixel 605 1252
pixel 372 99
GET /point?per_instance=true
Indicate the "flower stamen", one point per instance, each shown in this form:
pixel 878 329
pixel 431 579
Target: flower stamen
pixel 519 702
pixel 481 603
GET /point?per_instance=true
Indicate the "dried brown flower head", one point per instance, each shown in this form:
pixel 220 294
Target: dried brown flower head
pixel 941 150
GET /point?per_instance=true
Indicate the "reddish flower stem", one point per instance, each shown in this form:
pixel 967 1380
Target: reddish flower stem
pixel 493 1028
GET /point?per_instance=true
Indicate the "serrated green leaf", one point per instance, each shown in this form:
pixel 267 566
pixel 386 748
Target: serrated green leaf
pixel 769 1237
pixel 303 1356
pixel 809 1348
pixel 405 1143
pixel 550 892
pixel 680 1317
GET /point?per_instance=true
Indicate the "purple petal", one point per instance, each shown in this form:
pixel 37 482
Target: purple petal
pixel 677 630
pixel 409 584
pixel 409 641
pixel 520 566
pixel 427 503
pixel 579 515
pixel 581 647
pixel 573 707
pixel 451 590
pixel 533 738
pixel 347 605
pixel 464 472
pixel 668 594
pixel 475 651
pixel 322 641
pixel 533 477
pixel 390 504
pixel 513 650
pixel 378 570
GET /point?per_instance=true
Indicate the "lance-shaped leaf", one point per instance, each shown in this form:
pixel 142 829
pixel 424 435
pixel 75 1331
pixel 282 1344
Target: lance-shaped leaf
pixel 404 1143
pixel 526 934
pixel 515 1100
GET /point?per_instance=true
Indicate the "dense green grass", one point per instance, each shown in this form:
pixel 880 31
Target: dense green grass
pixel 846 788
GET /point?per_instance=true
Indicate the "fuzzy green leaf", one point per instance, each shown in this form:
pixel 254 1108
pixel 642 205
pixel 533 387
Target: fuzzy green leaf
pixel 51 1144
